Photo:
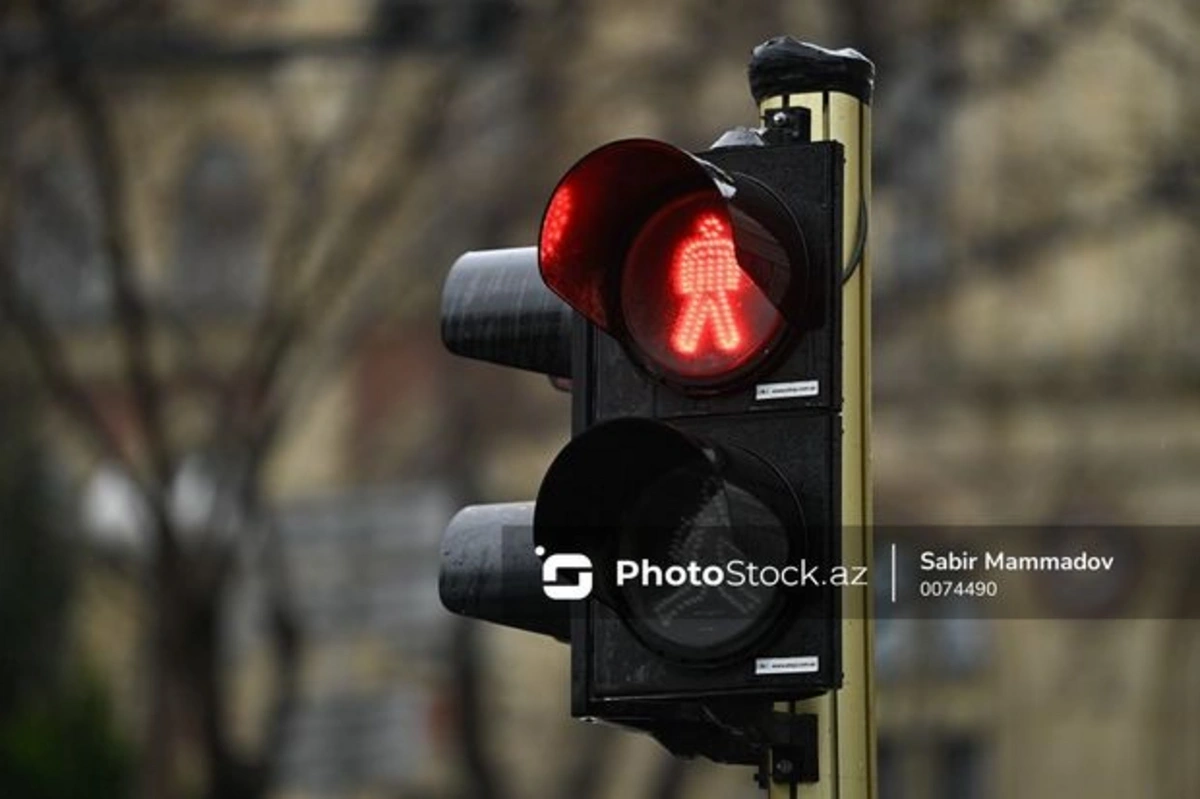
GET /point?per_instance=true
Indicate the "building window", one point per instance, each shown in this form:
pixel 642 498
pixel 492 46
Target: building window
pixel 954 642
pixel 923 763
pixel 890 769
pixel 219 255
pixel 961 771
pixel 960 644
pixel 59 262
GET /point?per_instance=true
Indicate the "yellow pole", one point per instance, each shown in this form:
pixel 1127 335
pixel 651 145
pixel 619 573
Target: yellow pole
pixel 845 718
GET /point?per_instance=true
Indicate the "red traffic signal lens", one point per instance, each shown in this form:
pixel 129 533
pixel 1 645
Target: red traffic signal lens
pixel 698 272
pixel 555 222
pixel 688 305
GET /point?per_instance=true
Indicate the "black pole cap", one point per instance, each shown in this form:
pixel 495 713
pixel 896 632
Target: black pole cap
pixel 784 65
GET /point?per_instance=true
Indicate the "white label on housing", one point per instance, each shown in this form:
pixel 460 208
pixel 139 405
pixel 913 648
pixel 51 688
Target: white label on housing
pixel 796 388
pixel 805 664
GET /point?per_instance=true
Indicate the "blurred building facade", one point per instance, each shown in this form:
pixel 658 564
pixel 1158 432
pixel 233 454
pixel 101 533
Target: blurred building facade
pixel 1036 356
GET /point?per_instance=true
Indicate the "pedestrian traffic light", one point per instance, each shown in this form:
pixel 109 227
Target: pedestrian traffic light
pixel 706 418
pixel 693 521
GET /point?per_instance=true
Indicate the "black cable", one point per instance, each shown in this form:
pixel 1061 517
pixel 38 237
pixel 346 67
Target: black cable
pixel 860 245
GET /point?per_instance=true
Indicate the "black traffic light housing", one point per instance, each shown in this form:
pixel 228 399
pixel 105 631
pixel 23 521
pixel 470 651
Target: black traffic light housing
pixel 786 417
pixel 643 440
pixel 694 301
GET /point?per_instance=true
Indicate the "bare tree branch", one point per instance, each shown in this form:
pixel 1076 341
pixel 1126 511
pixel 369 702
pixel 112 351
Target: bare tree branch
pixel 585 777
pixel 256 401
pixel 285 637
pixel 309 196
pixel 1167 47
pixel 286 395
pixel 46 350
pixel 1013 252
pixel 46 353
pixel 1026 53
pixel 467 662
pixel 310 193
pixel 95 127
pixel 185 334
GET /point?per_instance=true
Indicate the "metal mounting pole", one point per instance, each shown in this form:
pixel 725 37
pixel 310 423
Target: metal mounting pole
pixel 800 86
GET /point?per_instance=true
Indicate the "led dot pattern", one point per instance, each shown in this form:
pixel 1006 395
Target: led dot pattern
pixel 691 311
pixel 554 224
pixel 705 273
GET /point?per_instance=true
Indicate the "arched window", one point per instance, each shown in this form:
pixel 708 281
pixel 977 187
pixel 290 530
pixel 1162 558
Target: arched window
pixel 219 256
pixel 59 262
